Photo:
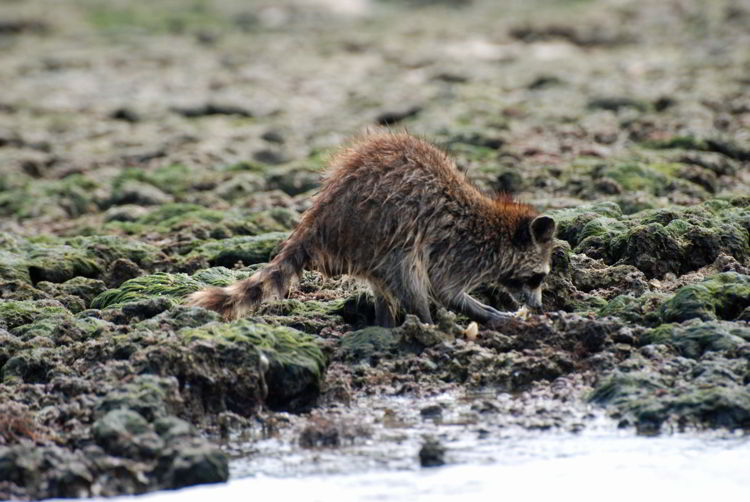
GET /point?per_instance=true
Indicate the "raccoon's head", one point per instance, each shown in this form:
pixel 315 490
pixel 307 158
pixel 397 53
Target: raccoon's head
pixel 532 249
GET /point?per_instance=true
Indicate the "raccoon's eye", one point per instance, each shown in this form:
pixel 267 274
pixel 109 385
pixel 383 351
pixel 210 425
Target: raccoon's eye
pixel 535 280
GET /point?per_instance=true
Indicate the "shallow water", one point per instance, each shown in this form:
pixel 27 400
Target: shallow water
pixel 582 466
pixel 488 458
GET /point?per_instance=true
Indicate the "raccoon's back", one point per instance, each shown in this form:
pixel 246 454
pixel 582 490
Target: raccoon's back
pixel 388 191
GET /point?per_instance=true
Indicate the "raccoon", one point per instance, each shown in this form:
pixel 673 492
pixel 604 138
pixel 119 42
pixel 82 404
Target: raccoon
pixel 395 211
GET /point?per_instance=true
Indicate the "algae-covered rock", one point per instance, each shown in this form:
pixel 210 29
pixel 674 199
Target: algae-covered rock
pixel 195 463
pixel 695 338
pixel 14 266
pixel 692 374
pixel 295 361
pixel 59 263
pixel 165 287
pixel 247 249
pixel 650 400
pixel 84 288
pixel 49 471
pixel 367 344
pixel 59 260
pixel 292 179
pixel 171 287
pixel 659 241
pixel 571 222
pixel 642 310
pixel 722 296
pixel 124 432
pixel 18 313
pixel 310 316
pixel 28 366
pixel 651 248
pixel 72 196
pixel 149 395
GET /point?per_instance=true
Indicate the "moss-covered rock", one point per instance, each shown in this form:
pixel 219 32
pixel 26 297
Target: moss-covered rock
pixel 71 196
pixel 693 374
pixel 171 288
pixel 722 296
pixel 643 310
pixel 247 249
pixel 19 313
pixel 650 401
pixel 310 316
pixel 693 339
pixel 59 260
pixel 367 344
pixel 659 241
pixel 295 361
pixel 82 287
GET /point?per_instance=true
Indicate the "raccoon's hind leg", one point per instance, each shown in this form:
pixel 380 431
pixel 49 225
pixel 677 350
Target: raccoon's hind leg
pixel 383 312
pixel 410 287
pixel 400 283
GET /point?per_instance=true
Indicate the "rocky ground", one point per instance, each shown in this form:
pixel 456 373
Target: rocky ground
pixel 146 152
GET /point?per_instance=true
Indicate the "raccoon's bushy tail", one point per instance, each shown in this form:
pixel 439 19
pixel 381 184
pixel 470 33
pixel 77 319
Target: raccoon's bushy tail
pixel 272 281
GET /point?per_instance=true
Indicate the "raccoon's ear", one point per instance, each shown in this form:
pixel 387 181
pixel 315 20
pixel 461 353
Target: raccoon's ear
pixel 543 228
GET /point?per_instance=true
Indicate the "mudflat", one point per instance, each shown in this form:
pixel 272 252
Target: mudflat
pixel 149 151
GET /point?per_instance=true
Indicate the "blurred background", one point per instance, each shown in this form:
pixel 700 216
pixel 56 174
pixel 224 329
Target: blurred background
pixel 545 98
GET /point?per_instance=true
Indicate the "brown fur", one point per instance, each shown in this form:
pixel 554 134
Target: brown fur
pixel 395 211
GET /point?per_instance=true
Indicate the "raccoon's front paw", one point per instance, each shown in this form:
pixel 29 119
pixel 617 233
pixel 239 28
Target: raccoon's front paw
pixel 502 321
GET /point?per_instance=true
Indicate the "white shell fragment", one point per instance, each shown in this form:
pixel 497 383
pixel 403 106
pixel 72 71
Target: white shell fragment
pixel 523 313
pixel 471 331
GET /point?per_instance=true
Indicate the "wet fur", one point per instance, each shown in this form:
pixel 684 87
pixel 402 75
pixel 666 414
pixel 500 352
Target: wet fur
pixel 394 210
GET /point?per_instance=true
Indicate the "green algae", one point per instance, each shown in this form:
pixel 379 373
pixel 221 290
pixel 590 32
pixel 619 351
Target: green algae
pixel 172 287
pixel 295 362
pixel 246 249
pixel 367 344
pixel 60 260
pixel 285 345
pixel 695 338
pixel 721 296
pixel 72 196
pixel 310 316
pixel 659 241
pixel 643 310
pixel 18 313
pixel 652 178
